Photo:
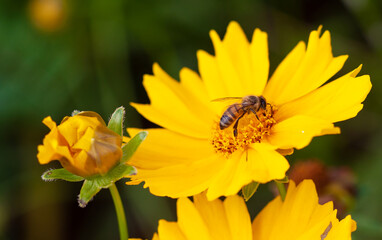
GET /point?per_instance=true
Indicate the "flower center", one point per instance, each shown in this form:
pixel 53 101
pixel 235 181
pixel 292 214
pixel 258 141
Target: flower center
pixel 249 130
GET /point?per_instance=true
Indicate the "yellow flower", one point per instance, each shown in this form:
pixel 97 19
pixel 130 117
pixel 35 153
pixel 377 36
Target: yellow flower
pixel 299 217
pixel 191 153
pixel 48 15
pixel 82 143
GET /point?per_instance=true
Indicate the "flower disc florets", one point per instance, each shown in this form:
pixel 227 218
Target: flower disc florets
pixel 250 130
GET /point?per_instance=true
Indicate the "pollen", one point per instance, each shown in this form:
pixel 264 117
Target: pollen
pixel 249 130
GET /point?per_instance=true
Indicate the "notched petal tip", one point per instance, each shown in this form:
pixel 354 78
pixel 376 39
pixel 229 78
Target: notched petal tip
pixel 259 34
pixel 47 121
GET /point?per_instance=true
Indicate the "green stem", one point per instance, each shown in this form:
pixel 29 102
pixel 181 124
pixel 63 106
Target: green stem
pixel 120 212
pixel 281 188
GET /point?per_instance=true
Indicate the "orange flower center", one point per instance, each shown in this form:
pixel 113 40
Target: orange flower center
pixel 249 130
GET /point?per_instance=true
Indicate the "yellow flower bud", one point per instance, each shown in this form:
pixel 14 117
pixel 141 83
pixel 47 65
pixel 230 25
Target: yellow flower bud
pixel 82 143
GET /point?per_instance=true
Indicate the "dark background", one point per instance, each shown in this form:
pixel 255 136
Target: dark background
pixel 61 55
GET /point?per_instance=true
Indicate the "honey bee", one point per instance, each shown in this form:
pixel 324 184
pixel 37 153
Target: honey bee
pixel 237 110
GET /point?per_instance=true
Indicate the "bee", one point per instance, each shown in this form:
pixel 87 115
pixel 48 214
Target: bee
pixel 237 110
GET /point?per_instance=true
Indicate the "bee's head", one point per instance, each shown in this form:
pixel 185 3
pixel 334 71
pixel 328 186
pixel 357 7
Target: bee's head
pixel 263 102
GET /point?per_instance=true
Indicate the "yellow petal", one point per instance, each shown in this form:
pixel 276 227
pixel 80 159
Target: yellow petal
pixel 189 91
pixel 169 231
pixel 94 117
pixel 156 237
pixel 318 228
pixel 238 218
pixel 315 67
pixel 342 231
pixel 190 221
pixel 297 131
pixel 72 128
pixel 165 148
pixel 210 73
pixel 260 63
pixel 305 217
pixel 180 180
pixel 196 96
pixel 47 151
pixel 49 122
pixel 236 54
pixel 336 101
pixel 214 216
pixel 334 130
pixel 82 163
pixel 191 81
pixel 285 152
pixel 54 148
pixel 284 71
pixel 260 163
pixel 265 163
pixel 170 111
pixel 297 210
pixel 85 141
pixel 231 178
pixel 264 223
pixel 229 75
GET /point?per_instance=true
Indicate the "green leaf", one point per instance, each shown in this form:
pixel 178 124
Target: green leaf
pixel 61 174
pixel 129 148
pixel 249 190
pixel 284 180
pixel 116 121
pixel 88 191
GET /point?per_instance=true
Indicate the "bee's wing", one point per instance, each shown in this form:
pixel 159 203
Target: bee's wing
pixel 223 103
pixel 226 99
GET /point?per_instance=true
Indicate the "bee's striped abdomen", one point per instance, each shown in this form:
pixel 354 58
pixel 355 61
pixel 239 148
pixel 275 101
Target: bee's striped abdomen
pixel 229 116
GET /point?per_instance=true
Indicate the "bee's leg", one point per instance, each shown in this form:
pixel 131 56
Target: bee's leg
pixel 235 125
pixel 270 105
pixel 254 112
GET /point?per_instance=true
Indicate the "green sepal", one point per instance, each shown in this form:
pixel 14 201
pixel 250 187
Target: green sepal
pixel 88 190
pixel 92 185
pixel 284 180
pixel 75 112
pixel 129 148
pixel 60 174
pixel 116 121
pixel 249 190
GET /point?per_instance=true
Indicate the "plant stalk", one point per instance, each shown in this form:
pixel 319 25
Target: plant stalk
pixel 124 235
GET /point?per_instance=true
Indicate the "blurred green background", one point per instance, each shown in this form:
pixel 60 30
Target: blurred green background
pixel 61 55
